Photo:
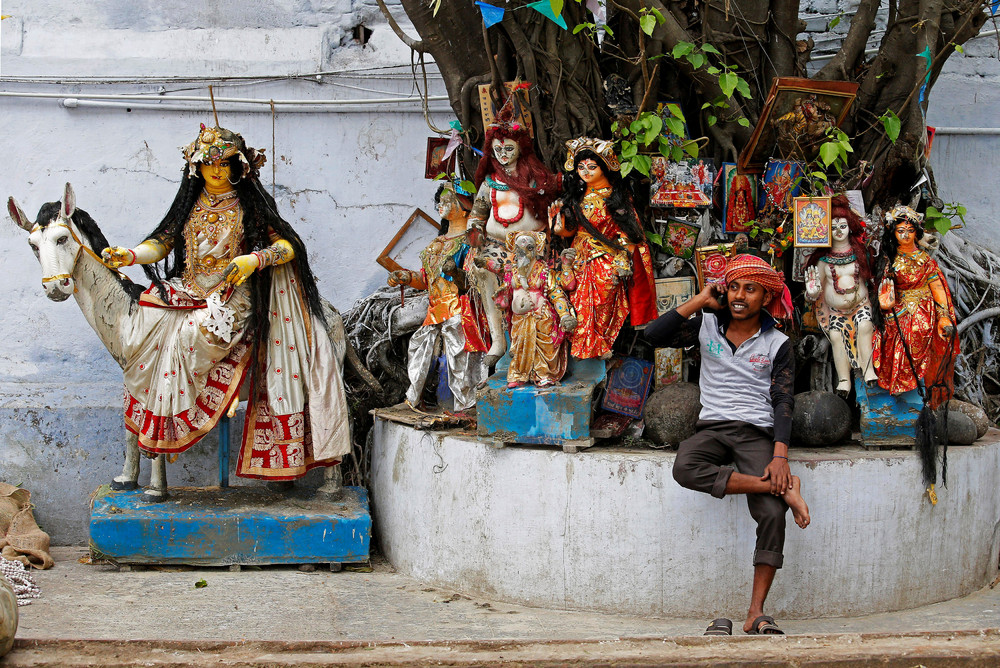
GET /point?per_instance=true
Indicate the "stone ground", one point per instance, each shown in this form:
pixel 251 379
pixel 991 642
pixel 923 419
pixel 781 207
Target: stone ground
pixel 96 615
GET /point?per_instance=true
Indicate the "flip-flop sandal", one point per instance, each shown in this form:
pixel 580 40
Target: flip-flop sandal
pixel 767 628
pixel 719 627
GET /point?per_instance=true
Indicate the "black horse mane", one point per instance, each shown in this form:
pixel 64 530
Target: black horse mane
pixel 92 235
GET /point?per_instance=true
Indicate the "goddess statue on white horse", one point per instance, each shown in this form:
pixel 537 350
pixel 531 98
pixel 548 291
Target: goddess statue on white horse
pixel 232 299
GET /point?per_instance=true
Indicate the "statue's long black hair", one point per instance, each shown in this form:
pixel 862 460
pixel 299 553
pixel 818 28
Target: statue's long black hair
pixel 619 204
pixel 260 214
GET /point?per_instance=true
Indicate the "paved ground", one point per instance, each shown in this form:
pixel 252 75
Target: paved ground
pixel 283 616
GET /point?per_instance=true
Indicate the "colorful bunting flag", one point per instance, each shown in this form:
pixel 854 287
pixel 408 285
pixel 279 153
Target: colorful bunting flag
pixel 453 142
pixel 547 8
pixel 492 14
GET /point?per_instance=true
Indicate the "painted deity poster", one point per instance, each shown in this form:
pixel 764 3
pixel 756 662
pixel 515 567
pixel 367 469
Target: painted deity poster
pixel 682 184
pixel 780 183
pixel 711 262
pixel 672 292
pixel 812 221
pixel 740 198
pixel 679 237
pixel 669 366
pixel 627 387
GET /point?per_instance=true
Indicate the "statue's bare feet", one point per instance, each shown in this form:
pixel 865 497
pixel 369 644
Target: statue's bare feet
pixel 843 387
pixel 793 497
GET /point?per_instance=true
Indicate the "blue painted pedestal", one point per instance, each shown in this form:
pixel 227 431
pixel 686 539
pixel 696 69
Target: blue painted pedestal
pixel 556 415
pixel 886 419
pixel 230 526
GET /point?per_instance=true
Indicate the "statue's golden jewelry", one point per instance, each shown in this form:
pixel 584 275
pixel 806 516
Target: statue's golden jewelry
pixel 602 147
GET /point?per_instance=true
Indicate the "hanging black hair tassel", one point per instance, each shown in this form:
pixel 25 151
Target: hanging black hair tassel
pixel 927 440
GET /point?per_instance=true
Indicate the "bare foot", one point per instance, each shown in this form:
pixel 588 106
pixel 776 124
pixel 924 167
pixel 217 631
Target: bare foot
pixel 793 497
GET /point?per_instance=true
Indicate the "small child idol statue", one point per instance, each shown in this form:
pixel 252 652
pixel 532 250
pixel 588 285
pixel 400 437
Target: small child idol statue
pixel 441 275
pixel 540 313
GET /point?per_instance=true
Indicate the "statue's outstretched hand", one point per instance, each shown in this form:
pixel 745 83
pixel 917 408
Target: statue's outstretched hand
pixel 116 256
pixel 813 286
pixel 240 268
pixel 887 295
pixel 399 277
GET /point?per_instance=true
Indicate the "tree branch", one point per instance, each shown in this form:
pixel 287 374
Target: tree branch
pixel 853 46
pixel 416 45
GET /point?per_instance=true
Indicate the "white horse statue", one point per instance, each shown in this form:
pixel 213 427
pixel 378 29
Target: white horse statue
pixel 64 239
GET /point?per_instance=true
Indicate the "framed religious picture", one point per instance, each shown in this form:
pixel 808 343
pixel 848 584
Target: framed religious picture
pixel 672 292
pixel 403 252
pixel 435 164
pixel 522 111
pixel 799 259
pixel 793 105
pixel 711 262
pixel 669 366
pixel 782 180
pixel 683 184
pixel 627 387
pixel 812 222
pixel 740 196
pixel 678 236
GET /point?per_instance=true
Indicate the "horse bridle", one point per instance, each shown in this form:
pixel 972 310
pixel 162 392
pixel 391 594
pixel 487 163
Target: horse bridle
pixel 81 248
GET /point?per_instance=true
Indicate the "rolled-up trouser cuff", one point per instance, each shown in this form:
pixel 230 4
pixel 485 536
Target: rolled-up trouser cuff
pixel 768 558
pixel 719 487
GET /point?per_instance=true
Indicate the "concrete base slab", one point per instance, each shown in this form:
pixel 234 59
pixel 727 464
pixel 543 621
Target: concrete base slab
pixel 230 526
pixel 609 530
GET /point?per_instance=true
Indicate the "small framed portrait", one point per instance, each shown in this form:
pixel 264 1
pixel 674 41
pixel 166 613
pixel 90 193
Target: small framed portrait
pixel 672 292
pixel 669 364
pixel 711 263
pixel 739 200
pixel 403 252
pixel 812 222
pixel 435 164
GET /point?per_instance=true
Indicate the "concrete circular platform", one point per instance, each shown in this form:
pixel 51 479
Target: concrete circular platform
pixel 609 529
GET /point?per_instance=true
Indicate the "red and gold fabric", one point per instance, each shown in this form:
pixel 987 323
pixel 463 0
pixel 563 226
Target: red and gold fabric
pixel 913 323
pixel 536 305
pixel 601 301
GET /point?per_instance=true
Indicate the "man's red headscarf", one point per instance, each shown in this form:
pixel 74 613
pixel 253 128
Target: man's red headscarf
pixel 753 268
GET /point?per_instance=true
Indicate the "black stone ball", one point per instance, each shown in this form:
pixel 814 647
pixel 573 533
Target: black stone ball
pixel 820 419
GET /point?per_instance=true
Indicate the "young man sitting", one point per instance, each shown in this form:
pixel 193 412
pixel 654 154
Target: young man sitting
pixel 747 372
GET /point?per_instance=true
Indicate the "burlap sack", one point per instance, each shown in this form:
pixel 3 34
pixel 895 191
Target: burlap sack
pixel 20 538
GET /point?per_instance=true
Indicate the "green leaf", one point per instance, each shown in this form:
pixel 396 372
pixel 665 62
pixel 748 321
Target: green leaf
pixel 659 16
pixel 626 168
pixel 647 23
pixel 960 48
pixel 845 145
pixel 629 149
pixel 676 154
pixel 712 119
pixel 696 59
pixel 691 148
pixel 200 584
pixel 932 212
pixel 655 126
pixel 753 233
pixel 708 48
pixel 467 186
pixel 712 69
pixel 607 29
pixel 654 238
pixel 818 175
pixel 744 122
pixel 636 126
pixel 642 163
pixel 557 7
pixel 892 125
pixel 583 26
pixel 743 88
pixel 727 82
pixel 614 126
pixel 834 23
pixel 829 152
pixel 682 49
pixel 942 225
pixel 675 110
